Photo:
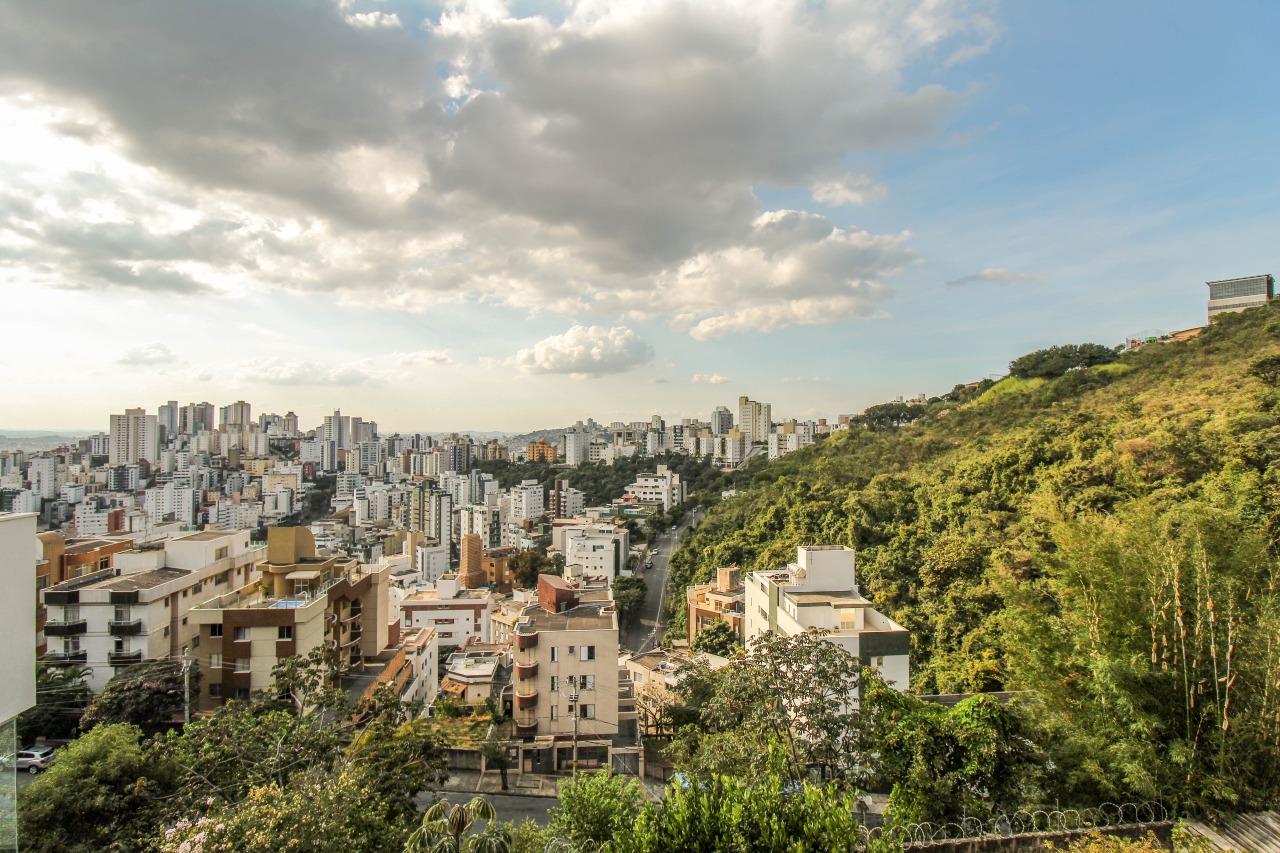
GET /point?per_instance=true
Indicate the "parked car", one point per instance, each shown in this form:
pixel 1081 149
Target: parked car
pixel 35 759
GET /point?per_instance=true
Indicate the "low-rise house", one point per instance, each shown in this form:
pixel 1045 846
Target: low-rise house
pixel 722 600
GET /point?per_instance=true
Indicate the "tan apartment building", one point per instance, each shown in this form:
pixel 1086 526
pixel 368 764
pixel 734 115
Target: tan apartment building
pixel 722 600
pixel 302 600
pixel 567 679
pixel 140 608
pixel 454 613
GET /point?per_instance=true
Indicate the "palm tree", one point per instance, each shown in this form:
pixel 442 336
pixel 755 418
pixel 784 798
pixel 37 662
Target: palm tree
pixel 444 829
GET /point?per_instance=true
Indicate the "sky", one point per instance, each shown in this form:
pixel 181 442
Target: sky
pixel 510 216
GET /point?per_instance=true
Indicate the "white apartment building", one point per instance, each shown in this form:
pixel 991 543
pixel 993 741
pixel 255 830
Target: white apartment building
pixel 42 473
pixel 528 502
pixel 139 610
pixel 663 487
pixel 576 444
pixel 454 613
pixel 431 558
pixel 721 420
pixel 755 420
pixel 597 551
pixel 819 591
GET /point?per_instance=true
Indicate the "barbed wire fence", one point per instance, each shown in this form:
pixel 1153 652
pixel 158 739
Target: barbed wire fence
pixel 1022 822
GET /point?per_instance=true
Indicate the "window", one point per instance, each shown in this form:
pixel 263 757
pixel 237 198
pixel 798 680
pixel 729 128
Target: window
pixel 587 712
pixel 284 632
pixel 242 692
pixel 196 590
pixel 242 665
pixel 571 649
pixel 215 691
pixel 555 712
pixel 215 661
pixel 555 654
pixel 241 635
pixel 184 593
pixel 184 620
pixel 168 601
pixel 588 653
pixel 573 681
pixel 555 683
pixel 166 631
pixel 215 630
pixel 195 641
pixel 221 553
pixel 588 682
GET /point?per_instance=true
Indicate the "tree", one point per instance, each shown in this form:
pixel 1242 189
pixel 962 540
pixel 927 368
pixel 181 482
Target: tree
pixel 724 814
pixel 788 707
pixel 595 808
pixel 628 597
pixel 148 695
pixel 495 751
pixel 316 811
pixel 717 639
pixel 62 694
pixel 444 829
pixel 102 794
pixel 1267 369
pixel 1055 361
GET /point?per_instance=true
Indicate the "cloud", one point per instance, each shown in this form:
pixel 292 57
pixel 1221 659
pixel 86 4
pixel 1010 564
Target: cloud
pixel 595 161
pixel 995 275
pixel 148 354
pixel 712 379
pixel 853 188
pixel 422 358
pixel 276 371
pixel 585 352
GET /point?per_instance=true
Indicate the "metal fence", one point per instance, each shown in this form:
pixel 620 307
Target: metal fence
pixel 1024 822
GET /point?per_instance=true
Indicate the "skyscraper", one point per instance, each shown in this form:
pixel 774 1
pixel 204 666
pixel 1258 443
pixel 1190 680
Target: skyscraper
pixel 135 436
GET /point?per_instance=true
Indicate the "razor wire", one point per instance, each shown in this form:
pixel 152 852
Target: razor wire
pixel 1021 822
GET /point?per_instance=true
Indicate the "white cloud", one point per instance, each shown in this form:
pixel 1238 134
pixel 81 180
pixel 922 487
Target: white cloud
pixel 148 354
pixel 853 188
pixel 422 358
pixel 277 371
pixel 996 275
pixel 585 352
pixel 710 379
pixel 601 160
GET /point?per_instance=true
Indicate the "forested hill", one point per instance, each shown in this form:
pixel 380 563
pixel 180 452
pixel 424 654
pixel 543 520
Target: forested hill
pixel 1107 538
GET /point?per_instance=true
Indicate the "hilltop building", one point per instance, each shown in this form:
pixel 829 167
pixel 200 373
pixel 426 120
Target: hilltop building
pixel 1237 294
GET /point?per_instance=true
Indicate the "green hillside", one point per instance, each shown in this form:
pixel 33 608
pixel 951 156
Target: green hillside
pixel 1106 538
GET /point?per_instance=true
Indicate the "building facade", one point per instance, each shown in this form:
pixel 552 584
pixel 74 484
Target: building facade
pixel 1237 294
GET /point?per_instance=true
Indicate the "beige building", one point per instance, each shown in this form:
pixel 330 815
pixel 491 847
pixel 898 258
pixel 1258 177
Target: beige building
pixel 141 608
pixel 303 600
pixel 454 613
pixel 567 678
pixel 719 601
pixel 476 672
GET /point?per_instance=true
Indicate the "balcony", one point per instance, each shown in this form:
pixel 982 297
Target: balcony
pixel 64 629
pixel 526 725
pixel 526 641
pixel 526 701
pixel 527 670
pixel 124 658
pixel 65 658
pixel 124 629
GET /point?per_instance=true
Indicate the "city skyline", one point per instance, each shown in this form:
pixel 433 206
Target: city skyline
pixel 497 219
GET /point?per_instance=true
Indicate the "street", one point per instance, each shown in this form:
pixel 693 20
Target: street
pixel 646 633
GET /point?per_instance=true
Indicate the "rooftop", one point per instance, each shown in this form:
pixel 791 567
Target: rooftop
pixel 591 616
pixel 207 535
pixel 108 580
pixel 836 598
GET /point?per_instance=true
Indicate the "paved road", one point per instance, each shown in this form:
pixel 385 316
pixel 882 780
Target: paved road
pixel 646 633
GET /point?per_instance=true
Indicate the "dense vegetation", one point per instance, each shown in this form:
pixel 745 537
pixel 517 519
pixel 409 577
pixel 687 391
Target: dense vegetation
pixel 602 483
pixel 1105 538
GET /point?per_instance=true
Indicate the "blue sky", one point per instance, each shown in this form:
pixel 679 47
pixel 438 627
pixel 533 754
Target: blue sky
pixel 610 210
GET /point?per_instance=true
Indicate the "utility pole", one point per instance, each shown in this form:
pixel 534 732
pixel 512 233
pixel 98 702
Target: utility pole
pixel 186 687
pixel 573 703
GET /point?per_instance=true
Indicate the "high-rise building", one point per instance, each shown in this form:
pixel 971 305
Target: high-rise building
pixel 236 415
pixel 195 418
pixel 1237 294
pixel 168 419
pixel 577 443
pixel 754 420
pixel 135 437
pixel 721 421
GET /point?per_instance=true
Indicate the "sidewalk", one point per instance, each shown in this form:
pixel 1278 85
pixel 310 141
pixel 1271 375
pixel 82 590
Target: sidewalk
pixel 519 784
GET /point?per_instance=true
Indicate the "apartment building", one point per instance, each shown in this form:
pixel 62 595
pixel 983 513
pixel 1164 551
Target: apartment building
pixel 486 567
pixel 722 600
pixel 541 451
pixel 454 613
pixel 820 591
pixel 663 487
pixel 135 437
pixel 18 556
pixel 755 420
pixel 140 608
pixel 1237 294
pixel 567 678
pixel 476 672
pixel 596 551
pixel 62 559
pixel 302 599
